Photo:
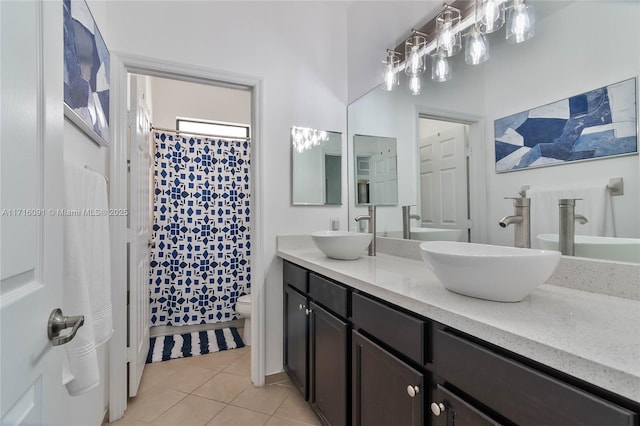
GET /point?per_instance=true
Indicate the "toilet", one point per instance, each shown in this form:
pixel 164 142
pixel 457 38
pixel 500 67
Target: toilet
pixel 243 307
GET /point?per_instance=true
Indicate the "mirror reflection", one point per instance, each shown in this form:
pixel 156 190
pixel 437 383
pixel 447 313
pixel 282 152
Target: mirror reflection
pixel 316 164
pixel 376 170
pixel 563 60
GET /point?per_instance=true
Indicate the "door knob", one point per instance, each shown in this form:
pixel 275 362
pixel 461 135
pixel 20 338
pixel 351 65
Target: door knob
pixel 58 322
pixel 413 390
pixel 437 408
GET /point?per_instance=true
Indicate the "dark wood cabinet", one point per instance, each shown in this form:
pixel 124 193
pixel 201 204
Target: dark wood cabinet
pixel 296 341
pixel 363 361
pixel 386 391
pixel 329 346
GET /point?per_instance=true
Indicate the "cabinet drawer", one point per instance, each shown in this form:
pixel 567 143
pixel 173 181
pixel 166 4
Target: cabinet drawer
pixel 400 331
pixel 328 294
pixel 516 391
pixel 457 411
pixel 295 276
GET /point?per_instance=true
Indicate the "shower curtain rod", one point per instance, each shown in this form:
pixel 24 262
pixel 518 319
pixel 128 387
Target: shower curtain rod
pixel 177 132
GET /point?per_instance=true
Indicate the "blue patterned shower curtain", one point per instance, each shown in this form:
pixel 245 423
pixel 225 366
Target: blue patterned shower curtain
pixel 200 260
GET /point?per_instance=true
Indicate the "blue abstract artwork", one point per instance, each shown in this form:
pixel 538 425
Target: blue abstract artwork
pixel 591 125
pixel 86 72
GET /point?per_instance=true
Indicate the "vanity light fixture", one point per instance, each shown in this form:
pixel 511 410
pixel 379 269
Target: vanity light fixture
pixel 448 35
pixel 486 16
pixel 489 15
pixel 476 49
pixel 521 22
pixel 304 138
pixel 390 76
pixel 440 68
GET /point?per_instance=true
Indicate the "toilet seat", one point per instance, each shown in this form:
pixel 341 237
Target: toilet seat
pixel 244 300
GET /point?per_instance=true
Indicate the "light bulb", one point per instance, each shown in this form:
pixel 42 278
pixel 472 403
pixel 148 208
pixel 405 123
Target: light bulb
pixel 446 38
pixel 389 77
pixel 415 60
pixel 440 71
pixel 521 23
pixel 477 49
pixel 414 85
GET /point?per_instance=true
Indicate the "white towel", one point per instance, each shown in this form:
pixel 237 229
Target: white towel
pixel 595 205
pixel 86 271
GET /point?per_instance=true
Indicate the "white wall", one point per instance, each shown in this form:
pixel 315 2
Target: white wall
pixel 299 51
pixel 173 98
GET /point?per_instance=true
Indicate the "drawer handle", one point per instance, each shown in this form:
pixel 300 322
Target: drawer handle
pixel 437 408
pixel 413 390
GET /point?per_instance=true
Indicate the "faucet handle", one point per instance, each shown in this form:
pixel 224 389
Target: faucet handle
pixel 519 201
pixel 568 201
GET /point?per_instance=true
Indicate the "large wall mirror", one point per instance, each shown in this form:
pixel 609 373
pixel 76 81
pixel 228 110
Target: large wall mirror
pixel 454 122
pixel 316 164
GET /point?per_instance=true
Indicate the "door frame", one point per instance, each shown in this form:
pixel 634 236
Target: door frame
pixel 476 175
pixel 122 64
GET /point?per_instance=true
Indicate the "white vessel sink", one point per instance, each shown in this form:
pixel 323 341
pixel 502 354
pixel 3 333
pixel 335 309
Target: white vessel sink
pixel 341 245
pixel 608 248
pixel 502 274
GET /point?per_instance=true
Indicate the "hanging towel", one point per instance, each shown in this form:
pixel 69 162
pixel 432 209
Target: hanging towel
pixel 86 282
pixel 595 205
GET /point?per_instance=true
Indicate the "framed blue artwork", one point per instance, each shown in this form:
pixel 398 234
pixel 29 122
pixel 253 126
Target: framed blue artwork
pixel 592 125
pixel 86 72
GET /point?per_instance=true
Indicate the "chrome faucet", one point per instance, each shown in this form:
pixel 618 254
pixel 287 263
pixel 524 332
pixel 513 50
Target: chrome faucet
pixel 371 219
pixel 406 221
pixel 568 219
pixel 521 220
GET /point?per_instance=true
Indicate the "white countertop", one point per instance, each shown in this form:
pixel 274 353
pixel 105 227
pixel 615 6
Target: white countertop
pixel 590 336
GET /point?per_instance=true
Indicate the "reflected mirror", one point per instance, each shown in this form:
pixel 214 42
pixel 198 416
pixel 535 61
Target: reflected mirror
pixel 316 164
pixel 564 59
pixel 376 177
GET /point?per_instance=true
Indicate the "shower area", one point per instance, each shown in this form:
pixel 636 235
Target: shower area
pixel 200 202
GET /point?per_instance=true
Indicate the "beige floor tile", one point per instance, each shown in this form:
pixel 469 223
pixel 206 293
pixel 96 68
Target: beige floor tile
pixel 127 421
pixel 279 421
pixel 236 416
pixel 152 403
pixel 217 360
pixel 223 387
pixel 155 374
pixel 191 411
pixel 296 408
pixel 187 379
pixel 241 367
pixel 265 399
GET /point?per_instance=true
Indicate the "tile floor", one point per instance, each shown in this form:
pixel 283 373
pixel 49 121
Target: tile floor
pixel 212 390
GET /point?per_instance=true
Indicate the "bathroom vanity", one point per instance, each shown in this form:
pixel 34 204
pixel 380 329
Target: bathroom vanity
pixel 379 341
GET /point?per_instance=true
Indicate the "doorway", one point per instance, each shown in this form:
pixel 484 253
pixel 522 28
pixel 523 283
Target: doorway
pixel 124 66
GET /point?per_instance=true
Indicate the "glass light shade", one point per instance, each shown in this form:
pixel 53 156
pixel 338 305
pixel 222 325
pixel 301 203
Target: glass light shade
pixel 520 22
pixel 449 38
pixel 490 15
pixel 414 58
pixel 477 48
pixel 389 74
pixel 414 84
pixel 440 68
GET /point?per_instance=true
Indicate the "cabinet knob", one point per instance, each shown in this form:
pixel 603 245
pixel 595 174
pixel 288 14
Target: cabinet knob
pixel 413 390
pixel 307 311
pixel 301 306
pixel 437 408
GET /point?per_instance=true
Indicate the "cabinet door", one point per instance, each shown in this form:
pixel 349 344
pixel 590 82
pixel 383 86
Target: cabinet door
pixel 328 372
pixel 296 339
pixel 449 410
pixel 386 391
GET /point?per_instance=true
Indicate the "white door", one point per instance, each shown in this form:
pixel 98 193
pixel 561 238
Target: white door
pixel 384 176
pixel 139 232
pixel 31 138
pixel 443 179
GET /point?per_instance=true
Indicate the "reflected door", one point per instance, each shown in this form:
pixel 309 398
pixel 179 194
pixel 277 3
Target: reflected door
pixel 443 179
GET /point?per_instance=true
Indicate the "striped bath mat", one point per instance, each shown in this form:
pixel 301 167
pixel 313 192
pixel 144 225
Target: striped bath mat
pixel 163 348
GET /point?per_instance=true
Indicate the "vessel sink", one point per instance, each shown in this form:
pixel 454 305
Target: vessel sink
pixel 341 245
pixel 607 248
pixel 498 273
